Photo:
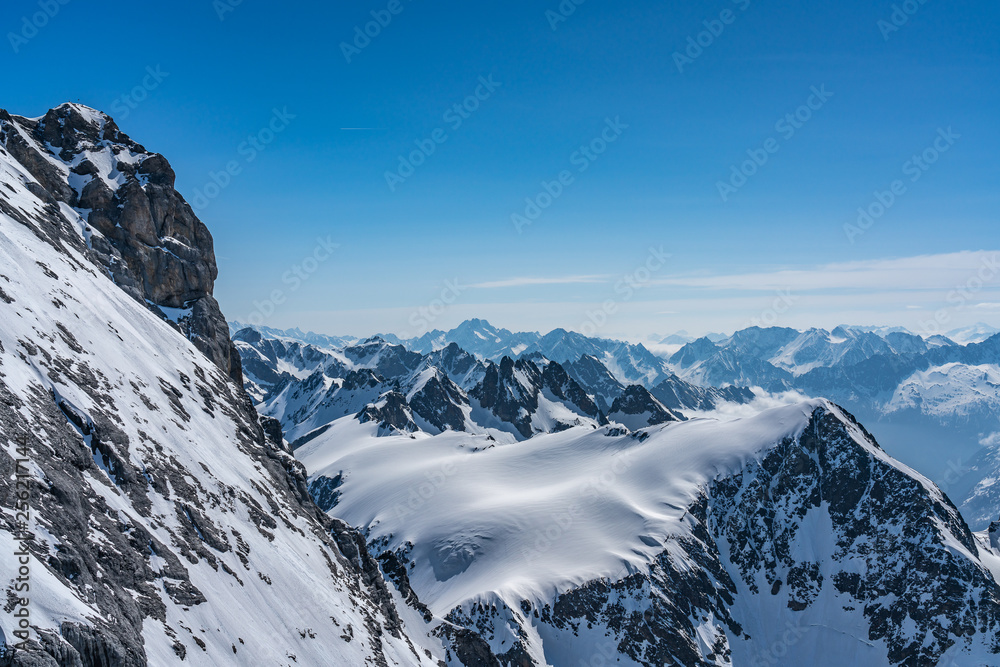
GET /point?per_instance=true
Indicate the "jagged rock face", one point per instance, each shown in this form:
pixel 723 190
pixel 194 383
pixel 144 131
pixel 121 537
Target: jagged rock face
pixel 162 511
pixel 636 408
pixel 518 393
pixel 677 394
pixel 596 379
pixel 556 380
pixel 875 510
pixel 440 402
pixel 391 412
pixel 329 387
pixel 270 363
pixel 461 367
pixel 386 360
pixel 674 393
pixel 140 228
pixel 506 396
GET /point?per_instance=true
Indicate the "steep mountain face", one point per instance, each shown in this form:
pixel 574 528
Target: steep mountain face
pixel 164 523
pixel 595 377
pixel 636 409
pixel 392 414
pixel 461 367
pixel 532 399
pixel 677 394
pixel 789 538
pixel 138 226
pixel 269 362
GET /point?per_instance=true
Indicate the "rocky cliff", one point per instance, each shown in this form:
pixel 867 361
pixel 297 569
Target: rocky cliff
pixel 138 226
pixel 146 514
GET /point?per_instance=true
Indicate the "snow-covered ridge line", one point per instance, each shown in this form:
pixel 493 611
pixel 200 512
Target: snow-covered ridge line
pixel 576 524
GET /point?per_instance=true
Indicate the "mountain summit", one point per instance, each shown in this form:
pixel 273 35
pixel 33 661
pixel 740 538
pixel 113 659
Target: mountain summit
pixel 122 200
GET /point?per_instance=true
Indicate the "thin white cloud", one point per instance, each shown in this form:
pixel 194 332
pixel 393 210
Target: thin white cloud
pixel 907 273
pixel 527 281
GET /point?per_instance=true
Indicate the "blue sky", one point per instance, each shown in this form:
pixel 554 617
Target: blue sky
pixel 439 245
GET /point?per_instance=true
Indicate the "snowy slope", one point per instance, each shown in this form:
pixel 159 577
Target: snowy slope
pixel 699 542
pixel 165 526
pixel 950 392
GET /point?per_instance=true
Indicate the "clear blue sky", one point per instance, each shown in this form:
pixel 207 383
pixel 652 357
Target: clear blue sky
pixel 656 184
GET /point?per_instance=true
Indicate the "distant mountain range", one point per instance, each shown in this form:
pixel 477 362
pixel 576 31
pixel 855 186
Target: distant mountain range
pixel 932 401
pixel 306 387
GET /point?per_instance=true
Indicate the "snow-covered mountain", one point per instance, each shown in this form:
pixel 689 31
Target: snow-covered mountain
pixel 405 391
pixel 306 388
pixel 629 363
pixel 269 362
pixel 976 333
pixel 790 538
pixel 162 522
pixel 931 400
pixel 478 498
pixel 711 551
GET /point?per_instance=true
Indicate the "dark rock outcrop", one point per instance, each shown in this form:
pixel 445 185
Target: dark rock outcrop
pixel 147 238
pixel 392 413
pixel 637 408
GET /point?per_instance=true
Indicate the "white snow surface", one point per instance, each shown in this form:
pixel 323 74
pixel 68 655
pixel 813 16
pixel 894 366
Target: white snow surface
pixel 527 519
